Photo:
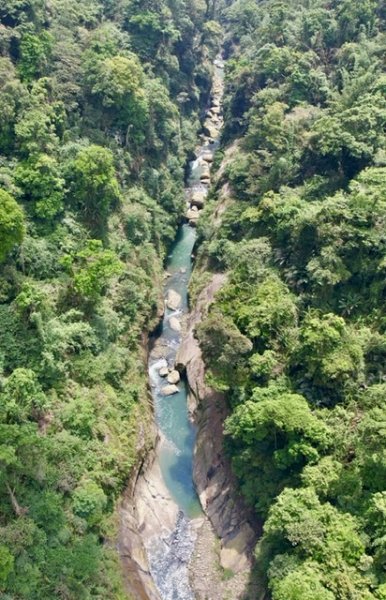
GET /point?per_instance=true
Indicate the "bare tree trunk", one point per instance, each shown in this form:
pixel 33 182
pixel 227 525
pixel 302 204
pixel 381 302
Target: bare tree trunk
pixel 19 510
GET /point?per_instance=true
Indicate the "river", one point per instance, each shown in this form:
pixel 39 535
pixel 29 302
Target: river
pixel 170 554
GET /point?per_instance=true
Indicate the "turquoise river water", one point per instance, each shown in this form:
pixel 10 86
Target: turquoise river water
pixel 176 453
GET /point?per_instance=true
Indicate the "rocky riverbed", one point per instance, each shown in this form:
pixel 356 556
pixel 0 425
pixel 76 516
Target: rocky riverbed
pixel 175 550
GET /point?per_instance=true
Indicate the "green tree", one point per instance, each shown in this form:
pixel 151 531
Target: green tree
pixel 34 53
pixel 93 183
pixel 330 354
pixel 302 584
pixel 35 131
pixel 273 436
pixel 224 348
pixel 6 564
pixel 92 268
pixel 120 83
pixel 12 94
pixel 89 502
pixel 265 313
pixel 22 397
pixel 42 184
pixel 325 545
pixel 12 224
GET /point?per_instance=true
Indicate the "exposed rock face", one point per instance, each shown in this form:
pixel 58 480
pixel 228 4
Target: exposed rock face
pixel 189 357
pixel 212 471
pixel 136 573
pixel 134 559
pixel 216 486
pixel 232 555
pixel 152 500
pixel 173 300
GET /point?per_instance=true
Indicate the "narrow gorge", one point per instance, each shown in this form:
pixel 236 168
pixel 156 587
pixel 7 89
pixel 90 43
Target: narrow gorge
pixel 192 300
pixel 184 497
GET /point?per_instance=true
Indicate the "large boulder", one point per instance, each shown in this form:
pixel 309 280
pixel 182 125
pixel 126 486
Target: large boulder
pixel 210 129
pixel 217 89
pixel 174 377
pixel 173 300
pixel 192 215
pixel 169 390
pixel 205 170
pixel 207 156
pixel 163 372
pixel 175 324
pixel 198 197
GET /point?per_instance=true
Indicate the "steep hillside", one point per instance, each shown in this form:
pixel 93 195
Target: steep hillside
pixel 296 338
pixel 99 105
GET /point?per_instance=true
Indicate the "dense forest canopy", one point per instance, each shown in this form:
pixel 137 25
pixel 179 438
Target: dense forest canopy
pixel 99 104
pixel 296 338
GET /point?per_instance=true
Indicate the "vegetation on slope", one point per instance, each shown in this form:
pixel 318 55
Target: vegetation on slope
pixel 98 103
pixel 297 337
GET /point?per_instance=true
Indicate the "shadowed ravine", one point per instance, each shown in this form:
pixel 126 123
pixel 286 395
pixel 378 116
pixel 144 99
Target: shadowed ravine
pixel 169 555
